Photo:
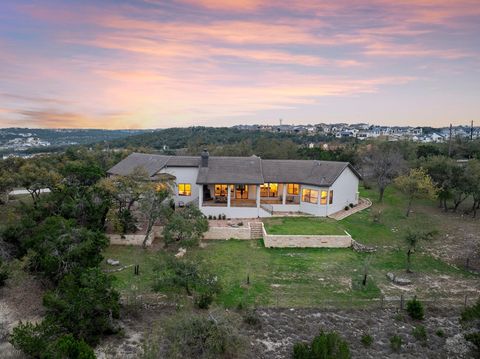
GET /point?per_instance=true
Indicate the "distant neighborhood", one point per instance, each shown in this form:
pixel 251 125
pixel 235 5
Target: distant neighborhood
pixel 364 131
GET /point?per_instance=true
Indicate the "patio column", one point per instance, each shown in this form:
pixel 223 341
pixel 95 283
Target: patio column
pixel 200 196
pixel 228 195
pixel 284 194
pixel 258 196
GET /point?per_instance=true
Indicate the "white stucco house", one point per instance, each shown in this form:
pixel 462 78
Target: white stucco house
pixel 251 187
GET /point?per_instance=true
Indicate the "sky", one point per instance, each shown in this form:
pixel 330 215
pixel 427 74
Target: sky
pixel 173 63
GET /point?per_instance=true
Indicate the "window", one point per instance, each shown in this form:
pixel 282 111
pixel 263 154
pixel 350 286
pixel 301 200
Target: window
pixel 293 188
pixel 323 198
pixel 221 190
pixel 269 190
pixel 309 195
pixel 330 198
pixel 184 189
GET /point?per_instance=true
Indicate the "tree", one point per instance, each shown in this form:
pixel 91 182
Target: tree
pixel 8 176
pixel 412 239
pixel 154 204
pixel 59 248
pixel 126 191
pixel 417 184
pixel 186 225
pixel 84 304
pixel 472 175
pixel 384 163
pixel 34 177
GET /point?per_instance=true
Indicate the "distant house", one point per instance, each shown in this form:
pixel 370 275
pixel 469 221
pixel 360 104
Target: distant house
pixel 250 187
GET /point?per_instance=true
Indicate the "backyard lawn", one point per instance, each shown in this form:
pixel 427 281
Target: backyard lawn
pixel 296 277
pixel 303 225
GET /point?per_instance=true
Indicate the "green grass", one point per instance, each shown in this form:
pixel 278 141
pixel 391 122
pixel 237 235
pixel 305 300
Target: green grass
pixel 308 277
pixel 303 225
pixel 285 277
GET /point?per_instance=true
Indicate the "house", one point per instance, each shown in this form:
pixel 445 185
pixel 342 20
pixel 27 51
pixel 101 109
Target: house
pixel 251 187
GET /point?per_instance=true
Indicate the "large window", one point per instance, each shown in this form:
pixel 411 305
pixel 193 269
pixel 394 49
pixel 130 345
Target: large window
pixel 184 189
pixel 221 190
pixel 309 195
pixel 293 188
pixel 269 190
pixel 323 198
pixel 330 198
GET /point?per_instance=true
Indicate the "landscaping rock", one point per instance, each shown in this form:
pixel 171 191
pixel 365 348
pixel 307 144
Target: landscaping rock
pixel 391 276
pixel 181 253
pixel 113 262
pixel 398 280
pixel 358 247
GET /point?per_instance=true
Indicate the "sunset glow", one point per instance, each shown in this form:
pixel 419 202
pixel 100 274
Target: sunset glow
pixel 161 63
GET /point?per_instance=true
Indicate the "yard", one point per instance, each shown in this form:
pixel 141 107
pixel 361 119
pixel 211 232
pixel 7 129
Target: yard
pixel 316 277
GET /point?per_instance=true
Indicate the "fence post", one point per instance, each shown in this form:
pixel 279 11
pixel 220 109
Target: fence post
pixel 401 301
pixel 467 264
pixel 465 302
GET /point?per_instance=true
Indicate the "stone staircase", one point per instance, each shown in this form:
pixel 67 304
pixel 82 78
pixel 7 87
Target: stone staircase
pixel 256 230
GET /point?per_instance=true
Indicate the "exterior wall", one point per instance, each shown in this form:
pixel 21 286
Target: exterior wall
pixel 317 209
pixel 228 233
pixel 235 212
pixel 129 239
pixel 345 191
pixel 286 207
pixel 184 175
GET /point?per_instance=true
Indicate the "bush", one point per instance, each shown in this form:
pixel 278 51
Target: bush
pixel 415 309
pixel 4 274
pixel 84 304
pixel 44 341
pixel 326 345
pixel 367 340
pixel 252 318
pixel 396 343
pixel 198 336
pixel 203 300
pixel 472 314
pixel 127 222
pixel 351 205
pixel 346 208
pixel 186 225
pixel 440 333
pixel 420 333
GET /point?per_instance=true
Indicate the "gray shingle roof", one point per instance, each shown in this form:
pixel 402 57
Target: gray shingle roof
pixel 319 173
pixel 239 170
pixel 232 170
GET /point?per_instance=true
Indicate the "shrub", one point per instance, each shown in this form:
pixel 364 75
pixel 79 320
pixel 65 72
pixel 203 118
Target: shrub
pixel 44 341
pixel 415 309
pixel 346 208
pixel 4 273
pixel 252 318
pixel 472 314
pixel 396 343
pixel 127 221
pixel 327 345
pixel 440 333
pixel 203 300
pixel 199 336
pixel 420 333
pixel 367 340
pixel 84 304
pixel 351 205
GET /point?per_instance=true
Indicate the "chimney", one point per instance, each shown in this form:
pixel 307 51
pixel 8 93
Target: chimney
pixel 204 156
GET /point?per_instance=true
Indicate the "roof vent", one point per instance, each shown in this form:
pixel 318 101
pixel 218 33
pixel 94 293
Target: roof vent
pixel 204 155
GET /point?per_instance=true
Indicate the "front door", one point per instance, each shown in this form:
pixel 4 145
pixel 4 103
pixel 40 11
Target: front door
pixel 241 191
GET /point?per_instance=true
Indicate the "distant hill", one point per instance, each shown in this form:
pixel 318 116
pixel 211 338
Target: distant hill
pixel 32 140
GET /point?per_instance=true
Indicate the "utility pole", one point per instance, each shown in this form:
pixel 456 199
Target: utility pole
pixel 450 142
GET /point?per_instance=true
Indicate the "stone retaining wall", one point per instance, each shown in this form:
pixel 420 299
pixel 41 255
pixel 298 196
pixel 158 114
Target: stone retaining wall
pixel 129 239
pixel 304 241
pixel 228 233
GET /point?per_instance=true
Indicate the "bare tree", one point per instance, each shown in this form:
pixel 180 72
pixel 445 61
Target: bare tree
pixel 383 164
